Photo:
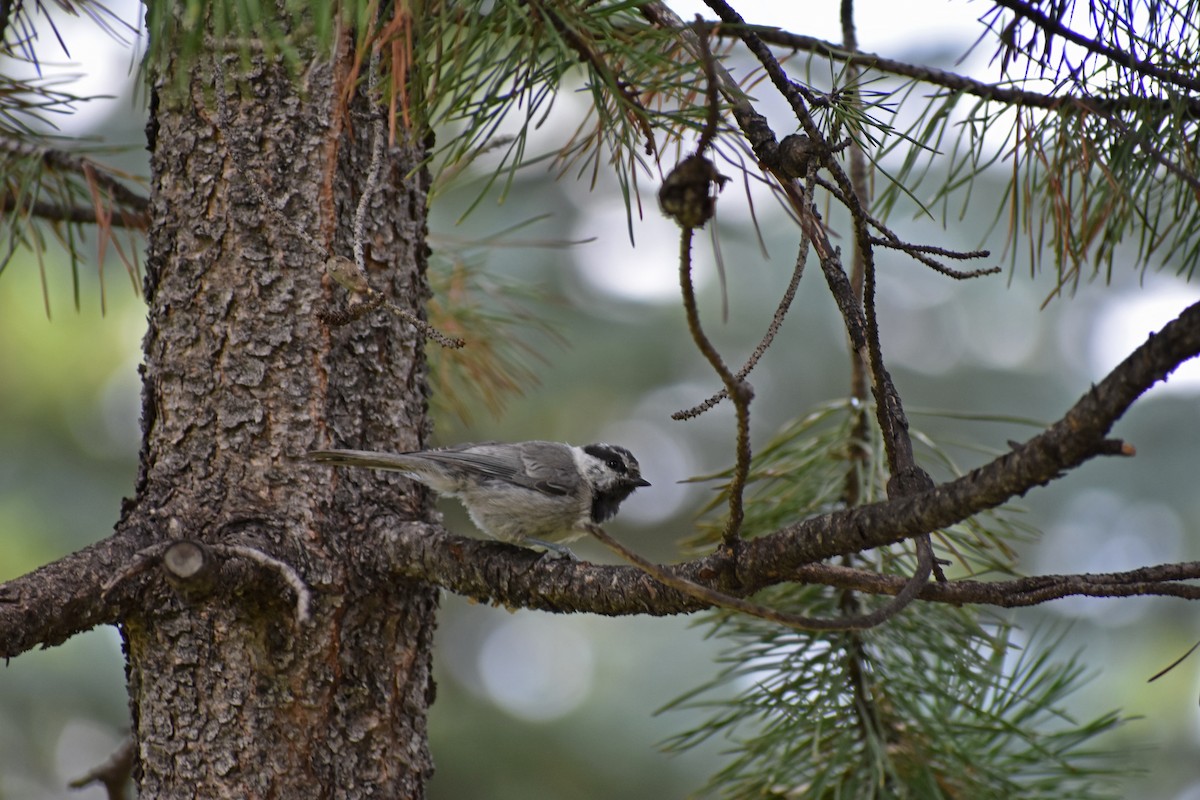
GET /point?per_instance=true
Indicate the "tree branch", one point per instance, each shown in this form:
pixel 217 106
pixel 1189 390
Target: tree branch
pixel 736 389
pixel 114 774
pixel 858 314
pixel 87 169
pixel 1103 106
pixel 511 576
pixel 53 603
pixel 1162 580
pixel 137 219
pixel 781 310
pixel 1115 55
pixel 949 80
pixel 904 595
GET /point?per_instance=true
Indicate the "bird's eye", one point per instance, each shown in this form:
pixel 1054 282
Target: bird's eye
pixel 616 465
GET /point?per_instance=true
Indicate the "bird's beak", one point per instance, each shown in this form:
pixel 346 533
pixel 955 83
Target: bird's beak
pixel 642 482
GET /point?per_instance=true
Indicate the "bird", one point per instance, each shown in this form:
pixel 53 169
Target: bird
pixel 533 493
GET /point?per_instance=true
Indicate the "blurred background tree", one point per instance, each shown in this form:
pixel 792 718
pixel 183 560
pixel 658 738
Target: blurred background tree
pixel 537 705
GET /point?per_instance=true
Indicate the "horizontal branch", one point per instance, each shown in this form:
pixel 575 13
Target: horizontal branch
pixel 82 165
pixel 939 77
pixel 138 219
pixel 1162 580
pixel 512 576
pixel 951 80
pixel 53 603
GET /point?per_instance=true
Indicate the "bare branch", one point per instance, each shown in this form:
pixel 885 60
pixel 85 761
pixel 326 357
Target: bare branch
pixel 86 168
pixel 858 313
pixel 53 603
pixel 513 576
pixel 710 596
pixel 951 80
pixel 53 212
pixel 115 773
pixel 921 251
pixel 290 576
pixel 1161 581
pixel 738 390
pixel 785 303
pixel 917 251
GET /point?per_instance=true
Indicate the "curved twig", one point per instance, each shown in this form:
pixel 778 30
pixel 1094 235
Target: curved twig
pixel 738 390
pixel 785 303
pixel 713 597
pixel 377 151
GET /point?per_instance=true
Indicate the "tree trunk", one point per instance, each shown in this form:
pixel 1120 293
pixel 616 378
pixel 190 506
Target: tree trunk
pixel 231 696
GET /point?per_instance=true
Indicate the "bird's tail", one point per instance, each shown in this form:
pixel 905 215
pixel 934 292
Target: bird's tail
pixel 363 458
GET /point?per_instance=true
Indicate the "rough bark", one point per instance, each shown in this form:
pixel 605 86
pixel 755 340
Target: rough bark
pixel 230 695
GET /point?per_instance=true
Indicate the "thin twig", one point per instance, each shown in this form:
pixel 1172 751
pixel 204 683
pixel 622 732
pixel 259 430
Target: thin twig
pixel 736 385
pixel 737 390
pixel 796 96
pixel 82 165
pixel 891 240
pixel 1115 55
pixel 290 576
pixel 859 318
pixel 859 314
pixel 953 81
pixel 137 219
pixel 861 192
pixel 711 88
pixel 781 311
pixel 1161 581
pixel 115 773
pixel 430 332
pixel 918 251
pixel 377 151
pixel 688 196
pixel 722 600
pixel 960 255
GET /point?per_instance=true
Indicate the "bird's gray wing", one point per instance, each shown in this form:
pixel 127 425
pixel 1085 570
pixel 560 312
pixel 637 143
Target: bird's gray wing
pixel 546 467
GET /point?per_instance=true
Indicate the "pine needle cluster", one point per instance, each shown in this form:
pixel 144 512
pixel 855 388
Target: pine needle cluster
pixel 939 702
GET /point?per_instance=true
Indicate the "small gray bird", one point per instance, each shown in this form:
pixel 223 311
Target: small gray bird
pixel 527 493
